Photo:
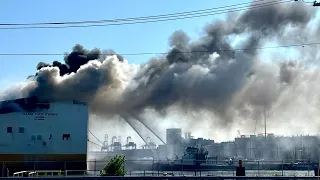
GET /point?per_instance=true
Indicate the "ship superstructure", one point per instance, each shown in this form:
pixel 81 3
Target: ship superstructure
pixel 34 131
pixel 193 156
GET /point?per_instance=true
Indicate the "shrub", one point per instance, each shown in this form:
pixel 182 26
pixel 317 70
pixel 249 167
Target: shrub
pixel 115 167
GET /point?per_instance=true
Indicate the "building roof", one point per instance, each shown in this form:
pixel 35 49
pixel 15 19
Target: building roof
pixel 27 104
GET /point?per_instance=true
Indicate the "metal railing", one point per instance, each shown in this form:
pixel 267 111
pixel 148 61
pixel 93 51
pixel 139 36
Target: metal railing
pixel 39 173
pixel 173 178
pixel 147 168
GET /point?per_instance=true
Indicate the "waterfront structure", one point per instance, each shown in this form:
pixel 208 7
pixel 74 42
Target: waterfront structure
pixel 286 148
pixel 35 132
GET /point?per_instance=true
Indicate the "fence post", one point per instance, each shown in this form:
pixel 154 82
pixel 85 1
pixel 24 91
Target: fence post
pixel 152 167
pixel 308 168
pixel 95 167
pixel 2 169
pixel 282 167
pixel 124 166
pixel 181 167
pixel 65 168
pixel 158 167
pixel 258 168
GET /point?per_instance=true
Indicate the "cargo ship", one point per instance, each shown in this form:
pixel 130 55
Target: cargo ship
pixel 196 159
pixel 39 135
pixel 193 159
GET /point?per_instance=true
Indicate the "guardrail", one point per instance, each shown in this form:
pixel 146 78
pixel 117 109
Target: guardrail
pixel 85 173
pixel 153 168
pixel 40 173
pixel 173 178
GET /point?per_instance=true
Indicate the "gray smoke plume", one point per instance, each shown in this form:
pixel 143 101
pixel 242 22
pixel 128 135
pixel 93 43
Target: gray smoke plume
pixel 78 57
pixel 226 83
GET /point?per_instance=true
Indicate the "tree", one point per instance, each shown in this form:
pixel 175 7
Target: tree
pixel 115 167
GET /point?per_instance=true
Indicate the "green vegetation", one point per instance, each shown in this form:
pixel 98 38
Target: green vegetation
pixel 115 167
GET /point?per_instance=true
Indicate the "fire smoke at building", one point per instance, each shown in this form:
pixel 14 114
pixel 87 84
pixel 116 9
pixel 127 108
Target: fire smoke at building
pixel 216 86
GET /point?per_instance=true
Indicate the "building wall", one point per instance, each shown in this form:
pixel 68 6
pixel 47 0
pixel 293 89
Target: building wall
pixel 40 132
pixel 173 136
pixel 174 140
pixel 228 149
pixel 274 148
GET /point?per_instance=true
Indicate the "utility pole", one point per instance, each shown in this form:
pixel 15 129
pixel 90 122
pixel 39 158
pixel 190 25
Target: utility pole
pixel 265 126
pixel 265 130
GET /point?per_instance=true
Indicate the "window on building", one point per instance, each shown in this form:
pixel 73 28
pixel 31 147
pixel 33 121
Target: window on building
pixel 9 129
pixel 44 143
pixel 65 136
pixel 39 137
pixel 21 129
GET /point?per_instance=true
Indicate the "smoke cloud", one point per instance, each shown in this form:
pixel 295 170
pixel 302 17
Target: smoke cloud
pixel 231 87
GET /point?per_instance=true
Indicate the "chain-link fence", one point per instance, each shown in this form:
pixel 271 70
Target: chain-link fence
pixel 157 168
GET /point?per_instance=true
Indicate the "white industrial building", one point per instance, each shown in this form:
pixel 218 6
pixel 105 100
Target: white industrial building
pixel 38 131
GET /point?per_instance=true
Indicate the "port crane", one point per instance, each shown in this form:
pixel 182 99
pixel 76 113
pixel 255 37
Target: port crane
pixel 130 143
pixel 105 146
pixel 149 144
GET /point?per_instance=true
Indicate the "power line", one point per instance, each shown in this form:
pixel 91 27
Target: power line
pixel 163 53
pixel 156 19
pixel 123 19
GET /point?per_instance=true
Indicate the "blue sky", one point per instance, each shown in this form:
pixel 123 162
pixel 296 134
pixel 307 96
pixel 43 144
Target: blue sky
pixel 150 37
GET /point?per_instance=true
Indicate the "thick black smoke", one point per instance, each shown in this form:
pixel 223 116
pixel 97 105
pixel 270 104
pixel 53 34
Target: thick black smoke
pixel 78 57
pixel 196 80
pixel 214 77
